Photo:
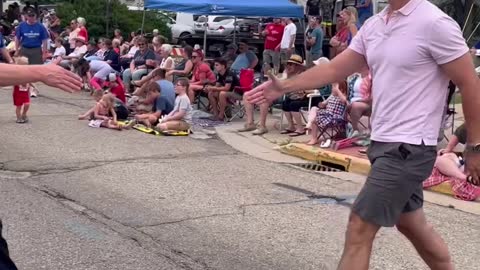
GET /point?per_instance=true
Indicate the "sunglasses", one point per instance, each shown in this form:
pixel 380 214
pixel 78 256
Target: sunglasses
pixel 141 44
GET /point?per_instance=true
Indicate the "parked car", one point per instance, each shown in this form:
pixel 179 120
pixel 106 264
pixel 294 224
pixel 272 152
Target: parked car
pixel 183 26
pixel 223 25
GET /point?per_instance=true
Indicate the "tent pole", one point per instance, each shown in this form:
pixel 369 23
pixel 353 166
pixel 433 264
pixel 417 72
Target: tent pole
pixel 473 32
pixel 468 17
pixel 235 30
pixel 143 19
pixel 205 40
pixel 304 51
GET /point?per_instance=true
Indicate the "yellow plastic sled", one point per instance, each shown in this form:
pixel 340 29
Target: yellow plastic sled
pixel 151 131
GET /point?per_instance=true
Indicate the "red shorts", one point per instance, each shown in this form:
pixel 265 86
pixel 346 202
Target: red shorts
pixel 21 97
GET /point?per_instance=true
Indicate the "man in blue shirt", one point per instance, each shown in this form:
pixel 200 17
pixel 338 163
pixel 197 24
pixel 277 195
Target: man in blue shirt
pixel 4 52
pixel 365 10
pixel 31 38
pixel 314 41
pixel 246 59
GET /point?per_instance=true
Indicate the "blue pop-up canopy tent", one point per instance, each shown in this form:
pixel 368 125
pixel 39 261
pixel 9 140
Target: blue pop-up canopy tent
pixel 250 8
pixel 239 8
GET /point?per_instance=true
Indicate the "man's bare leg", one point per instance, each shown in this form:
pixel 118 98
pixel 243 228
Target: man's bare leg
pixel 222 104
pixel 263 114
pixel 249 111
pixel 426 241
pixel 358 244
pixel 213 100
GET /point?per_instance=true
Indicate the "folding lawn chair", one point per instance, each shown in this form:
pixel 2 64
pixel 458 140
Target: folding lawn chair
pixel 334 130
pixel 247 82
pixel 201 99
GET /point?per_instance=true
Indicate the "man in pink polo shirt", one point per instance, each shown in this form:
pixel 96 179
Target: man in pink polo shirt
pixel 412 49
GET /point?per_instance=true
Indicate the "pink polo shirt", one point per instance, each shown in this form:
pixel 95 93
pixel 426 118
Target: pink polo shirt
pixel 409 88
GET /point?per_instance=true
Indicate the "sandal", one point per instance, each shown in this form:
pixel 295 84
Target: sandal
pixel 287 131
pixel 296 133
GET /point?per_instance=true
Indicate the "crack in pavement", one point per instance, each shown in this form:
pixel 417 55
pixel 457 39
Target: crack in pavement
pixel 142 239
pixel 189 219
pixel 139 237
pixel 243 212
pixel 99 163
pixel 66 102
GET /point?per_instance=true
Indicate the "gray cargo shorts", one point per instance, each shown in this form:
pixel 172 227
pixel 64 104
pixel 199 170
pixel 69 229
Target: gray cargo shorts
pixel 284 56
pixel 394 185
pixel 271 58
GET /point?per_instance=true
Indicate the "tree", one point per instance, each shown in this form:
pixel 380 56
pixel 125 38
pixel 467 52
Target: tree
pixel 459 10
pixel 95 13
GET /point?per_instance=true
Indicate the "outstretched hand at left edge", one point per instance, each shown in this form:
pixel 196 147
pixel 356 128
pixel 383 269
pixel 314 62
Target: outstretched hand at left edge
pixel 56 76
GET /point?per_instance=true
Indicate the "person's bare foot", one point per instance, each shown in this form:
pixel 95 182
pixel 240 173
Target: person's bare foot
pixel 312 142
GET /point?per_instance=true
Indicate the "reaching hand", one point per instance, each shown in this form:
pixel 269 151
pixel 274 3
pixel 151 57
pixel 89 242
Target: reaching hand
pixel 267 92
pixel 56 76
pixel 472 168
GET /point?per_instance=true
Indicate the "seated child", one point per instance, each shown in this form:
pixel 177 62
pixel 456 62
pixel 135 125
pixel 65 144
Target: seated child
pixel 161 105
pixel 102 111
pixel 323 115
pixel 180 118
pixel 115 86
pixel 119 107
pixel 59 49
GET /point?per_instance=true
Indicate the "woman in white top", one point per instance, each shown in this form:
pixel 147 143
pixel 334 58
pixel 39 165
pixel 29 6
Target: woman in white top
pixel 360 102
pixel 74 29
pixel 166 64
pixel 99 69
pixel 167 61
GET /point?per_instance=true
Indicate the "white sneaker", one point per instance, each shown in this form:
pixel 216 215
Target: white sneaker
pixel 33 94
pixel 326 144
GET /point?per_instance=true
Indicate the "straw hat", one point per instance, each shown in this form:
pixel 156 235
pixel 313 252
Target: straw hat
pixel 295 59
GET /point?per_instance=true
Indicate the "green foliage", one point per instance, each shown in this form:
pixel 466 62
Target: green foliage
pixel 95 13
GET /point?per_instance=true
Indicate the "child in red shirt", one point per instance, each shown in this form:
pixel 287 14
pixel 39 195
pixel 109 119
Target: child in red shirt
pixel 115 86
pixel 21 96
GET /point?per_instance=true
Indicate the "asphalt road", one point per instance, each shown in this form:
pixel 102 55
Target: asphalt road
pixel 74 197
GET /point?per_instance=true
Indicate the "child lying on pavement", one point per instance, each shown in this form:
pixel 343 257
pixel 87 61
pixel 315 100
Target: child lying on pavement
pixel 102 112
pixel 180 118
pixel 119 107
pixel 97 95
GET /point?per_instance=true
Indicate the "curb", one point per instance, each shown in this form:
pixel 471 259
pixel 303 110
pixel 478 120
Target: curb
pixel 325 157
pixel 255 146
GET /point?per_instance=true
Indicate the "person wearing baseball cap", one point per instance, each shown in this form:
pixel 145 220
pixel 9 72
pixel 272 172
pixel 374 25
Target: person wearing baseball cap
pixel 31 38
pixel 230 54
pixel 245 60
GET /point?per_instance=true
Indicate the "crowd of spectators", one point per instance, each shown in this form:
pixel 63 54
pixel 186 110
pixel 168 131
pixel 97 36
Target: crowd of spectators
pixel 137 61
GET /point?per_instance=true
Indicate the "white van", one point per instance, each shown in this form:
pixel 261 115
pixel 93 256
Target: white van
pixel 183 26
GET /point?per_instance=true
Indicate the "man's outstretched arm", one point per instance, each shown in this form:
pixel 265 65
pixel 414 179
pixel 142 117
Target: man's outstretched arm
pixel 342 66
pixel 51 74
